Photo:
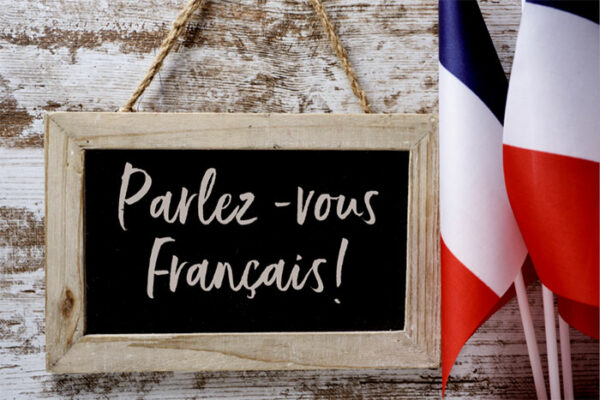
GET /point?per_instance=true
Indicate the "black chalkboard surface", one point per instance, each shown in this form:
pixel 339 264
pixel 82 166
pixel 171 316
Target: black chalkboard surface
pixel 192 241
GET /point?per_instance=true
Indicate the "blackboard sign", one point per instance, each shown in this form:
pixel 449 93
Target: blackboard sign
pixel 184 241
pixel 198 242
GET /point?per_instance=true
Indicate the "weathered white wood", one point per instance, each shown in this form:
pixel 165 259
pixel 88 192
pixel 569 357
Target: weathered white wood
pixel 244 56
pixel 243 131
pixel 69 135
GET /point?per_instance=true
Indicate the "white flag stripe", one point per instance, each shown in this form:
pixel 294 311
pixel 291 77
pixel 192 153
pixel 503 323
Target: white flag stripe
pixel 548 36
pixel 476 223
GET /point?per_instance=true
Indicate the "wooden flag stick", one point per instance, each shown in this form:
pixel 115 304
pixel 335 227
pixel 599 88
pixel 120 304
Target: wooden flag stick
pixel 565 358
pixel 532 344
pixel 551 346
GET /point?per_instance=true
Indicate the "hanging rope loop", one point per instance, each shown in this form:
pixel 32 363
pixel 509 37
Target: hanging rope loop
pixel 166 46
pixel 179 27
pixel 336 43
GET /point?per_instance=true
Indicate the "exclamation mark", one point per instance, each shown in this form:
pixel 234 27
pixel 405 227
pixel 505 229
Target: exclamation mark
pixel 340 264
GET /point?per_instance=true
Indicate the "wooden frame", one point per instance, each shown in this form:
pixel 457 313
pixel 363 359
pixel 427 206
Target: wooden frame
pixel 68 135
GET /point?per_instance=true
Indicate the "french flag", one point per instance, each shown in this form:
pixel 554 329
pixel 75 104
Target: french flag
pixel 552 150
pixel 482 249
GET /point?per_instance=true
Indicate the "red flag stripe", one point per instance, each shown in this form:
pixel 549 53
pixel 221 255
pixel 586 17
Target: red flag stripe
pixel 466 303
pixel 582 317
pixel 555 201
pixel 462 290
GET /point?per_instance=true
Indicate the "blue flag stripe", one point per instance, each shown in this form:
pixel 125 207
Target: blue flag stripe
pixel 467 51
pixel 587 9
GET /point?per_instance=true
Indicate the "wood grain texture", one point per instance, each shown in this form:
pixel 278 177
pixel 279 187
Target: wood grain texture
pixel 245 56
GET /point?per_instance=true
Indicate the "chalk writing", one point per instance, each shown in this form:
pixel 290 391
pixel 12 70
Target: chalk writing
pixel 210 275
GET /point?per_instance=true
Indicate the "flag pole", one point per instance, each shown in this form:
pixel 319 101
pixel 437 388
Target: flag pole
pixel 565 358
pixel 530 339
pixel 551 346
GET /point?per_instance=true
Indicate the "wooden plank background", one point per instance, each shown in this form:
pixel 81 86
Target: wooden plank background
pixel 243 55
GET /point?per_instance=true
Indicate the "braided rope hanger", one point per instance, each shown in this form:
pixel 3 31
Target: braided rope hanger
pixel 185 15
